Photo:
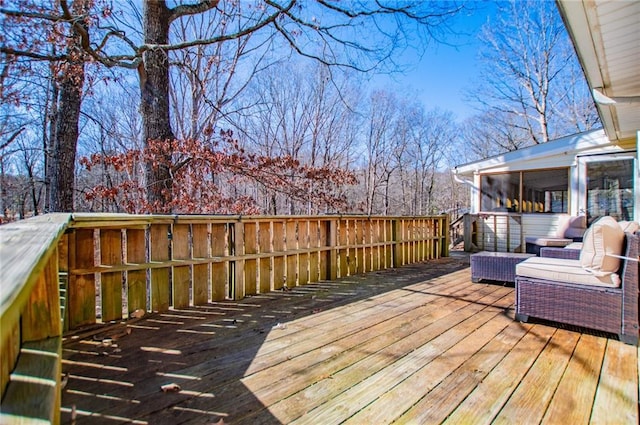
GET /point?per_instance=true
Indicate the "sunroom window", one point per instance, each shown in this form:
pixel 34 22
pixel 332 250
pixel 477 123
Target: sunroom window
pixel 544 191
pixel 610 189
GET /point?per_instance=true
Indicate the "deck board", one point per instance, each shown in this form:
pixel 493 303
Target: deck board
pixel 420 344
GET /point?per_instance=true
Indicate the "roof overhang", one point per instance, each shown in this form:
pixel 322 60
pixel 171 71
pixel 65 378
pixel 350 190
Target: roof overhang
pixel 560 151
pixel 606 36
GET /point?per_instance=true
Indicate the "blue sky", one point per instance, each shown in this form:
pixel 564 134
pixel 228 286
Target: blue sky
pixel 440 76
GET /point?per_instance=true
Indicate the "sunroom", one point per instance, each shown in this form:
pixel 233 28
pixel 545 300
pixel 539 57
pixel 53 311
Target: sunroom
pixel 533 192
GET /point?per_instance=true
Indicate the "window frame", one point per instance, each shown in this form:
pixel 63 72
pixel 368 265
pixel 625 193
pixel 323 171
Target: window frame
pixel 583 161
pixel 520 174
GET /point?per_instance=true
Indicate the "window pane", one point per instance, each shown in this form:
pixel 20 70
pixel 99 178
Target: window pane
pixel 500 192
pixel 545 191
pixel 610 189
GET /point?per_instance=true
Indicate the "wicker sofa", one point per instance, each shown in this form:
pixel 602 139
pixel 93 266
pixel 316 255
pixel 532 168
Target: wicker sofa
pixel 572 251
pixel 608 307
pixel 570 229
pixel 568 253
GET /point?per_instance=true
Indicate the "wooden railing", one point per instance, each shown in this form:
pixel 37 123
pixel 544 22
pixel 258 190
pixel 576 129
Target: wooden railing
pixel 507 232
pixel 112 266
pixel 30 322
pixel 456 231
pixel 498 232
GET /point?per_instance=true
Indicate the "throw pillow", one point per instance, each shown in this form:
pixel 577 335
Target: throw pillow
pixel 604 237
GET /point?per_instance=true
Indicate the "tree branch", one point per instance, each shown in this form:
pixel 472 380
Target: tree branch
pixel 249 30
pixel 11 138
pixel 192 9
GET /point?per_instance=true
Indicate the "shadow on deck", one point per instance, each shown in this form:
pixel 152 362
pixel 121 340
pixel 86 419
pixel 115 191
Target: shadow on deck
pixel 421 344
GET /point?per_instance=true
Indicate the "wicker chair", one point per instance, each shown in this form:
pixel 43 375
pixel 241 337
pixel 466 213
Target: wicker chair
pixel 609 309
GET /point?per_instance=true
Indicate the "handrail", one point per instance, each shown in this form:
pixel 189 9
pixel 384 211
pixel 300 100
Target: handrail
pixel 29 301
pixel 25 247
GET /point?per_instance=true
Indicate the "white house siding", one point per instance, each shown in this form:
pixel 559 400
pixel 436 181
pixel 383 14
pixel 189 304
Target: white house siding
pixel 502 232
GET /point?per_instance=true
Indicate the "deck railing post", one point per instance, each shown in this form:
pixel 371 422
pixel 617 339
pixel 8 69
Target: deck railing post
pixel 396 237
pixel 236 248
pixel 81 289
pixel 467 232
pixel 444 231
pixel 160 237
pixel 220 270
pixel 265 264
pixel 250 265
pixel 332 241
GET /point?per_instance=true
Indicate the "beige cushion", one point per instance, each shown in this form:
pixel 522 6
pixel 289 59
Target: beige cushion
pixel 571 226
pixel 563 270
pixel 629 226
pixel 546 241
pixel 574 245
pixel 603 237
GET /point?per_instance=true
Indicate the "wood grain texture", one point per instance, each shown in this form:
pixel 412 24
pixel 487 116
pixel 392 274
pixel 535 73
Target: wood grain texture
pixel 616 399
pixel 251 266
pixel 534 392
pixel 419 344
pixel 201 272
pixel 136 279
pixel 279 271
pixel 33 395
pixel 160 281
pixel 219 271
pixel 579 383
pixel 41 316
pixel 111 283
pixel 82 289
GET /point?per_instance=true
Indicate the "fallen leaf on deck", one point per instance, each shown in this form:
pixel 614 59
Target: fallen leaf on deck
pixel 136 314
pixel 64 380
pixel 170 388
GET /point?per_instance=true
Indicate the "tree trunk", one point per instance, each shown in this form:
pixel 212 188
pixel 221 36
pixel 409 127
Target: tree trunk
pixel 65 141
pixel 154 90
pixel 48 138
pixel 63 160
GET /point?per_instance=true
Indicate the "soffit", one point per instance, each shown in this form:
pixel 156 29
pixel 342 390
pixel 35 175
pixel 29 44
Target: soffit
pixel 606 35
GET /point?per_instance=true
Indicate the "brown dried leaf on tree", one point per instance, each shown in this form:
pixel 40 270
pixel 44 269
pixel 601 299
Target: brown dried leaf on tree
pixel 194 165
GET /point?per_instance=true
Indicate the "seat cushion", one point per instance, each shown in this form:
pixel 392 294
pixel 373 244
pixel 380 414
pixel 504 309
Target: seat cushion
pixel 572 227
pixel 604 237
pixel 547 241
pixel 563 270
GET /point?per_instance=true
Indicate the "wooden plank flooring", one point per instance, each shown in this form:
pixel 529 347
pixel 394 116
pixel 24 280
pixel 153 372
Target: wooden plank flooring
pixel 418 345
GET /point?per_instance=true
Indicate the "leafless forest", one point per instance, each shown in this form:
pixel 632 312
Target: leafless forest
pixel 261 107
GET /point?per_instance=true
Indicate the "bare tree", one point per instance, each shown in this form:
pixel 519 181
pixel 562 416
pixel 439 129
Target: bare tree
pixel 302 113
pixel 359 36
pixel 529 66
pixel 420 140
pixel 24 41
pixel 378 149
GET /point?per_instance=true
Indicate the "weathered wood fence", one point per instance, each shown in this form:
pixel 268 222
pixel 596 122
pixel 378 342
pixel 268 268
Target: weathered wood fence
pixel 104 267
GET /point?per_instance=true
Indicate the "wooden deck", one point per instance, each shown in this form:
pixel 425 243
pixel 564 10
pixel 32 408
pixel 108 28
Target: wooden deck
pixel 417 345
